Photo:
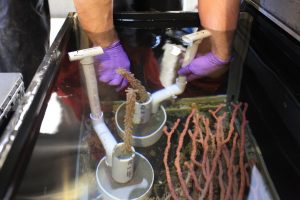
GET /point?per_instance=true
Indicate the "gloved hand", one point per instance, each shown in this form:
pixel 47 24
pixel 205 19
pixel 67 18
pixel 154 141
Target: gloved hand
pixel 114 57
pixel 203 66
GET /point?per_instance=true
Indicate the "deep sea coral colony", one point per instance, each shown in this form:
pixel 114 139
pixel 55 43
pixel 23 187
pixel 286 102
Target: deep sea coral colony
pixel 209 162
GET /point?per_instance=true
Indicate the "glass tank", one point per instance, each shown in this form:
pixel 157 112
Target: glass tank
pixel 197 145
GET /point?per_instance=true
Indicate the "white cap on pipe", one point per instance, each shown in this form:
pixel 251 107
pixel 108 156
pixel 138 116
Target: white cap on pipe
pixel 80 54
pixel 199 35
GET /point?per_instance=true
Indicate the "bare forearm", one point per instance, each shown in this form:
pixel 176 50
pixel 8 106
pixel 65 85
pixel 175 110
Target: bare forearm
pixel 221 43
pixel 220 18
pixel 96 19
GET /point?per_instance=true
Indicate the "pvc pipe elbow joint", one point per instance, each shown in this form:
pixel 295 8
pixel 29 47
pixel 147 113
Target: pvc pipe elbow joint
pixel 167 93
pixel 105 136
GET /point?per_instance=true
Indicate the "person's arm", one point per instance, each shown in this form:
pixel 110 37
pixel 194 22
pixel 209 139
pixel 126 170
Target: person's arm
pixel 220 18
pixel 96 19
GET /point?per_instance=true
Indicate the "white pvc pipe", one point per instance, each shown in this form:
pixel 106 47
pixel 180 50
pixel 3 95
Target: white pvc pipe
pixel 169 64
pixel 199 35
pixel 167 93
pixel 84 53
pixel 142 111
pixel 105 136
pixel 193 40
pixel 122 164
pixel 91 84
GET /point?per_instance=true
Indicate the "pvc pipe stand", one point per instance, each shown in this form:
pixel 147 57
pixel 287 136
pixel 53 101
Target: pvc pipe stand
pixel 122 164
pixel 139 187
pixel 146 134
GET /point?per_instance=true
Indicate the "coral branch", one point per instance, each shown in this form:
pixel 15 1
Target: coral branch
pixel 166 154
pixel 205 148
pixel 232 120
pixel 214 113
pixel 235 182
pixel 225 153
pixel 230 168
pixel 193 174
pixel 135 84
pixel 242 153
pixel 193 137
pixel 217 155
pixel 211 191
pixel 177 159
pixel 128 119
pixel 221 181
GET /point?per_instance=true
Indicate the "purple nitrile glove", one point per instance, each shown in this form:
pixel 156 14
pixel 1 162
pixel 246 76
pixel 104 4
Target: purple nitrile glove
pixel 202 66
pixel 114 57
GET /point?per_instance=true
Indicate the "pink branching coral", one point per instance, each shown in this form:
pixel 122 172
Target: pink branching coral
pixel 166 153
pixel 216 165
